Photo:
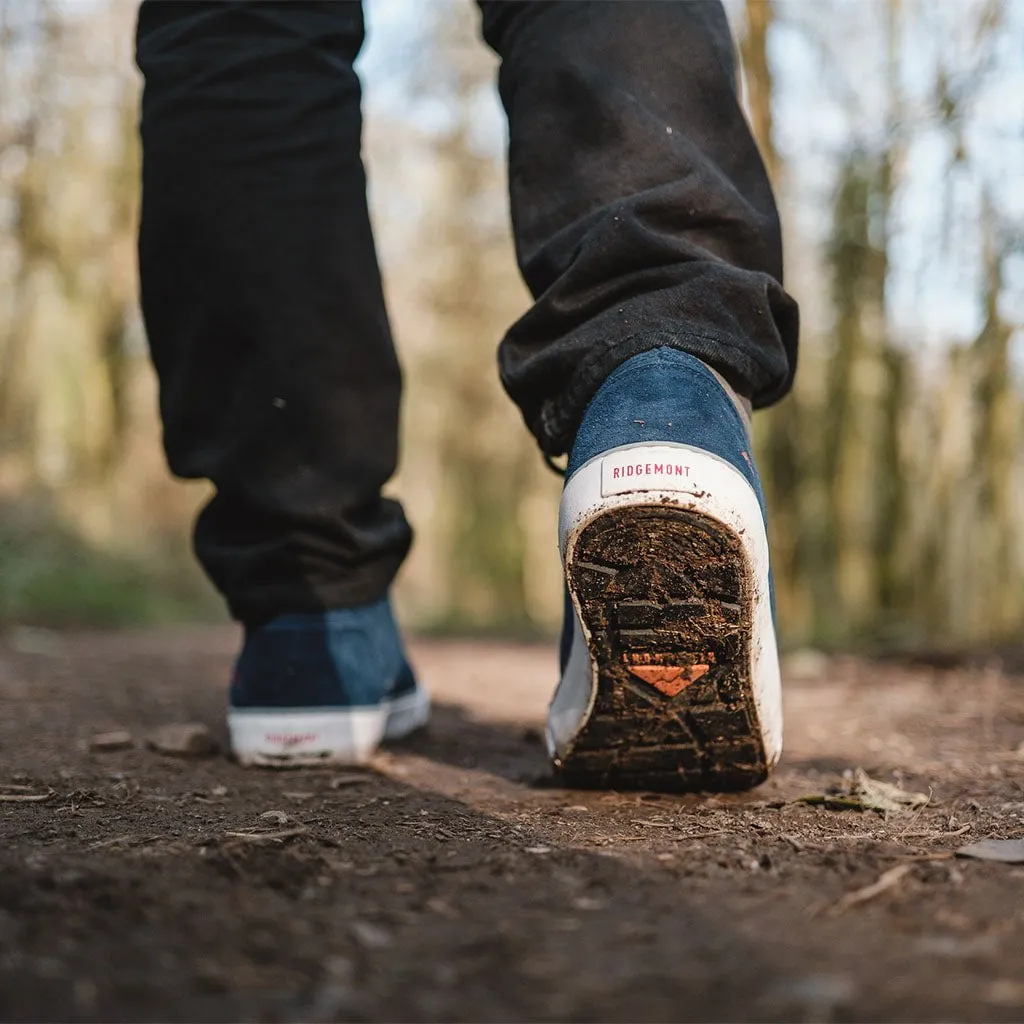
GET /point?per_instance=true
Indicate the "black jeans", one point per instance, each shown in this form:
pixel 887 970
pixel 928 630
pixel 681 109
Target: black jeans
pixel 642 217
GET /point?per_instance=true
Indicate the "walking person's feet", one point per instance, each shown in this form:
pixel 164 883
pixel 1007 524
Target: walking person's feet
pixel 323 688
pixel 670 676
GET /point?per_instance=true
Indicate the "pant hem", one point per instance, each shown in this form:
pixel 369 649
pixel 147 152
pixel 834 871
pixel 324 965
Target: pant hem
pixel 305 598
pixel 555 428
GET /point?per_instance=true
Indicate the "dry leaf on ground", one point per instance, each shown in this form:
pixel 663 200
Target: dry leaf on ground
pixel 859 792
pixel 1009 851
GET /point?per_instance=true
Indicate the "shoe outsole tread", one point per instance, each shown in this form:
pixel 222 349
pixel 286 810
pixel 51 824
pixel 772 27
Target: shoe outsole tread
pixel 665 595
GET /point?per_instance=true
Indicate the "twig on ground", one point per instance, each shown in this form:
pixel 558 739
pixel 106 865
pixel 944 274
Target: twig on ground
pixel 109 842
pixel 26 798
pixel 128 840
pixel 266 837
pixel 913 821
pixel 883 883
pixel 936 835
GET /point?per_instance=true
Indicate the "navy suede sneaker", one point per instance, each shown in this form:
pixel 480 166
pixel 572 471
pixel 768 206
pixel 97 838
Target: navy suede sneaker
pixel 323 688
pixel 670 673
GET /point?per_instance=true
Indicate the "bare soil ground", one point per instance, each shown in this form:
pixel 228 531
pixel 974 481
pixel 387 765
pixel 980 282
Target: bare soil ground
pixel 454 882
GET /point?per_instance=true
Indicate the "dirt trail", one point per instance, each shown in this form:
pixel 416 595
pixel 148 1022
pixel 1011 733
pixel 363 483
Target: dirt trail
pixel 454 883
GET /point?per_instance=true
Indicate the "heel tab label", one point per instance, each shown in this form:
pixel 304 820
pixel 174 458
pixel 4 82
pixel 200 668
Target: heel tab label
pixel 646 469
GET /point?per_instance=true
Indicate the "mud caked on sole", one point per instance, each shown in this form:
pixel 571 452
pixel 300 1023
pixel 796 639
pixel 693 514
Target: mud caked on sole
pixel 665 595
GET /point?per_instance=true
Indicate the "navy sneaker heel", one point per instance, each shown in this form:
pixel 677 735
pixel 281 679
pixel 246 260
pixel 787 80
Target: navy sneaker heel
pixel 670 674
pixel 323 688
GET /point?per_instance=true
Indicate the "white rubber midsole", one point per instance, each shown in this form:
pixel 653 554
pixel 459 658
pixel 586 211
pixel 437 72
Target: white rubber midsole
pixel 286 737
pixel 686 478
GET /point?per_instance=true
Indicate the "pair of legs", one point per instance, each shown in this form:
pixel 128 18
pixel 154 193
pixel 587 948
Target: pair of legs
pixel 642 215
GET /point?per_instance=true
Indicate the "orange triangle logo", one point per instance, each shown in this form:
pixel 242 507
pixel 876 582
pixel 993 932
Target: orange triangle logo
pixel 668 679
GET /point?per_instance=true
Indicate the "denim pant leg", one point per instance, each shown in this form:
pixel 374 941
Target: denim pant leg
pixel 262 299
pixel 642 212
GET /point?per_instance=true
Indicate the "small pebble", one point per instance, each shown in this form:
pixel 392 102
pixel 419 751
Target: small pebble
pixel 812 996
pixel 186 739
pixel 370 936
pixel 1005 992
pixel 275 817
pixel 342 781
pixel 118 739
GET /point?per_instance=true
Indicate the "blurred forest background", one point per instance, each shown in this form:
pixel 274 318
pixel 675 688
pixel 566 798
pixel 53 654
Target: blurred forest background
pixel 894 133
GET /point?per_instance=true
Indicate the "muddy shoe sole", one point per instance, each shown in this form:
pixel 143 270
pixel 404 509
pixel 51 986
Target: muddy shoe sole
pixel 672 683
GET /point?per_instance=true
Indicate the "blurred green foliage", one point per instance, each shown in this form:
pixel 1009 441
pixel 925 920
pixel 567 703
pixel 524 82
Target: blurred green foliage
pixel 51 577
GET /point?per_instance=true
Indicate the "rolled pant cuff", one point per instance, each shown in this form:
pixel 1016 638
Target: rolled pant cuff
pixel 555 428
pixel 299 596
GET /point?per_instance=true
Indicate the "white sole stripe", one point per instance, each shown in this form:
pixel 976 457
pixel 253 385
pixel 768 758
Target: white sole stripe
pixel 289 737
